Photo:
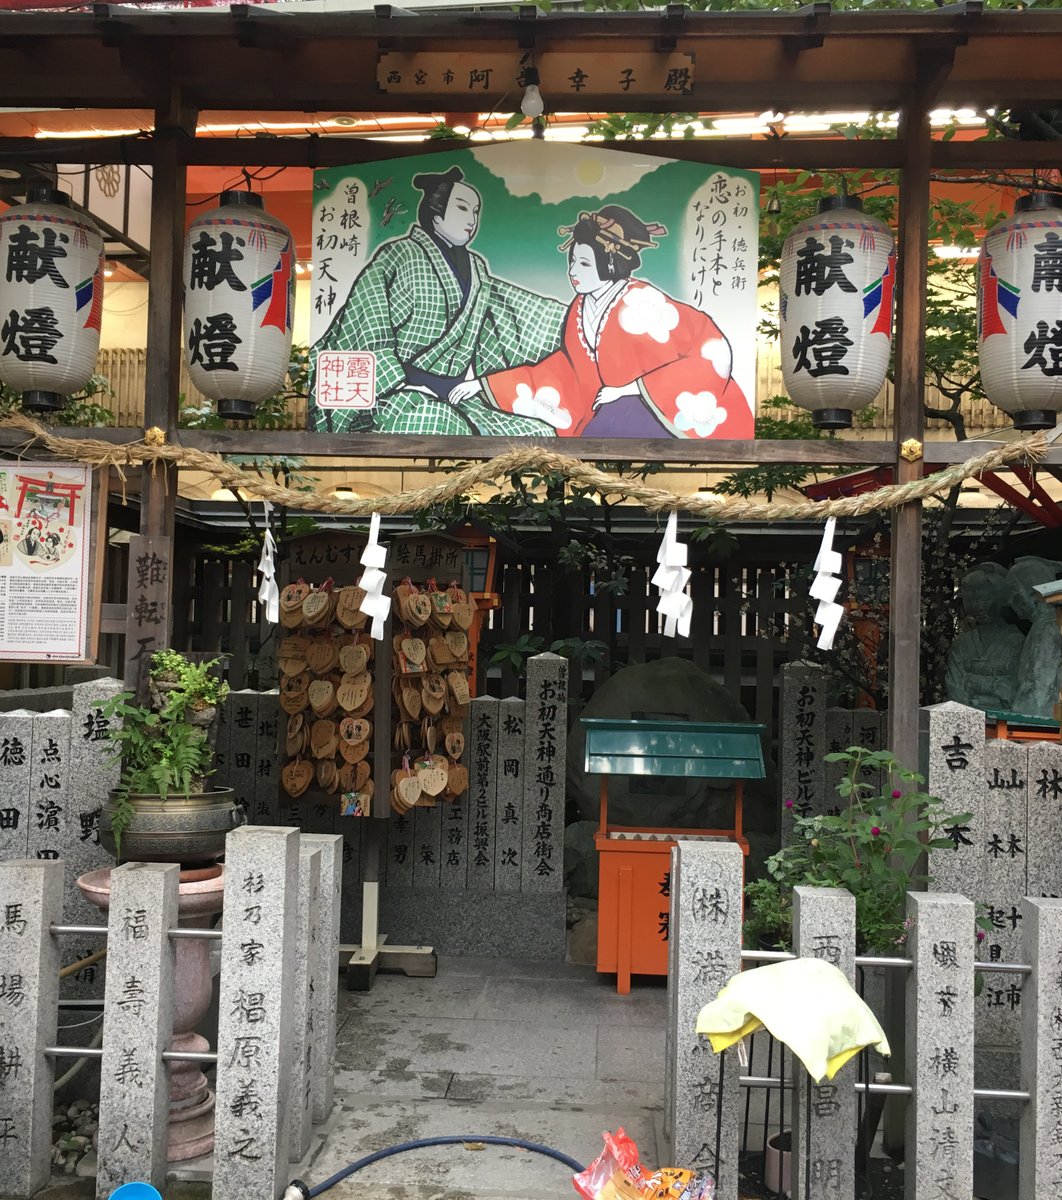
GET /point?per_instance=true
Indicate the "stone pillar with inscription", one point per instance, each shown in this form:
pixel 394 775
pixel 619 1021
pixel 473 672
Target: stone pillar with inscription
pixel 148 621
pixel 802 742
pixel 508 837
pixel 31 899
pixel 137 1026
pixel 705 952
pixel 427 821
pixel 1044 830
pixel 951 747
pixel 482 792
pixel 307 934
pixel 255 1013
pixel 266 763
pixel 93 765
pixel 243 751
pixel 1005 852
pixel 838 738
pixel 824 1167
pixel 352 831
pixel 868 731
pixel 324 973
pixel 401 848
pixel 1040 1164
pixel 545 751
pixel 17 792
pixel 940 1046
pixel 52 827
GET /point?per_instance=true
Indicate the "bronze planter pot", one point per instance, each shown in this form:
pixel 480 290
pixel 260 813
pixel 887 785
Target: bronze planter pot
pixel 180 829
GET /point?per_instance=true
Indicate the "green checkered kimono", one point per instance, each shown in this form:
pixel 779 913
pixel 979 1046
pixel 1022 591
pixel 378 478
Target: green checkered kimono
pixel 406 307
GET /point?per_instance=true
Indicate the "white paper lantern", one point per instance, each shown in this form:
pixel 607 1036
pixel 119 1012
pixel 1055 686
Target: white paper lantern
pixel 1019 312
pixel 51 299
pixel 239 294
pixel 837 277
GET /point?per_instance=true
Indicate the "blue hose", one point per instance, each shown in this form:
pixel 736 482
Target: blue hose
pixel 443 1141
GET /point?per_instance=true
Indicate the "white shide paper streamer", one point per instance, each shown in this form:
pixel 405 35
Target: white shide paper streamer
pixel 672 576
pixel 375 605
pixel 268 591
pixel 825 587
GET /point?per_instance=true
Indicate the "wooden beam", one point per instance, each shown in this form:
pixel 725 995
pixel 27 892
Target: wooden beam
pixel 905 620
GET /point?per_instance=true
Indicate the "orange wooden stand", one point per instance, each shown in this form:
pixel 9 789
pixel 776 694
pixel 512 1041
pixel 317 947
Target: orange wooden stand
pixel 634 887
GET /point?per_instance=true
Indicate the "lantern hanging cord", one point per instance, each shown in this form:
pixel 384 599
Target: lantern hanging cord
pixel 517 461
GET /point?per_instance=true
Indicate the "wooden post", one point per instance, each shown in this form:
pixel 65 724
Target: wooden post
pixel 158 488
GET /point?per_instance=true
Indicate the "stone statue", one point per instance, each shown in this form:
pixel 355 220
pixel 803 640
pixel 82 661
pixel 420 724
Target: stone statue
pixel 1039 669
pixel 982 661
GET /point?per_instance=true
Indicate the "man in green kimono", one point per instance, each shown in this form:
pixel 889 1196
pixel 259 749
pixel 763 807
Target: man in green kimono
pixel 433 315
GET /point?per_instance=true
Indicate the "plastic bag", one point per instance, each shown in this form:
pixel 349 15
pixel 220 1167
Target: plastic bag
pixel 617 1174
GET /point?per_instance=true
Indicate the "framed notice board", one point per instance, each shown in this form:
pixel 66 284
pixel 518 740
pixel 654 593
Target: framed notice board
pixel 52 531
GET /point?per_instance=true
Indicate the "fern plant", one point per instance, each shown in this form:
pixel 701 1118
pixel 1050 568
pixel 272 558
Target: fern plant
pixel 166 747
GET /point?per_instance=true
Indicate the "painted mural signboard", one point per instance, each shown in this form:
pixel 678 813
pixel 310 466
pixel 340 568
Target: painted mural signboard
pixel 49 596
pixel 535 289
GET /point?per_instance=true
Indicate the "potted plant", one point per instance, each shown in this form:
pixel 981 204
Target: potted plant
pixel 164 808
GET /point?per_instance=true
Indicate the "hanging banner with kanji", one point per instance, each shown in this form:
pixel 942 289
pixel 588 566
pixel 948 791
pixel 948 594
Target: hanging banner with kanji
pixel 49 577
pixel 535 289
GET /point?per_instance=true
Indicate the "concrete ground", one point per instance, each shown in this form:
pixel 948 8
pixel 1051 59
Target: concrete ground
pixel 544 1052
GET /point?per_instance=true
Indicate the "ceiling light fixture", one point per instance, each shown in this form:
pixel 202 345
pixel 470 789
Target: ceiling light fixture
pixel 532 104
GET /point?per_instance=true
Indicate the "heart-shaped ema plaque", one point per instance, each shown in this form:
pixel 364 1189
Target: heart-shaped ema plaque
pixel 440 651
pixel 452 724
pixel 295 683
pixel 295 744
pixel 432 779
pixel 463 615
pixel 292 596
pixel 455 744
pixel 322 694
pixel 361 776
pixel 353 692
pixel 353 752
pixel 411 702
pixel 291 655
pixel 416 608
pixel 326 774
pixel 354 660
pixel 409 789
pixel 458 684
pixel 355 730
pixel 296 777
pixel 324 739
pixel 292 701
pixel 317 608
pixel 457 779
pixel 348 607
pixel 414 650
pixel 457 644
pixel 346 777
pixel 322 655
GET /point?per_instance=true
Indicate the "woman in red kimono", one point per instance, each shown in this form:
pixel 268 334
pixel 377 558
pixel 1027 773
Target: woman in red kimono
pixel 633 362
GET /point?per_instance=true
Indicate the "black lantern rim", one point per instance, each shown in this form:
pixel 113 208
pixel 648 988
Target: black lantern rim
pixel 830 203
pixel 44 193
pixel 1037 202
pixel 832 418
pixel 38 401
pixel 1034 418
pixel 248 199
pixel 237 410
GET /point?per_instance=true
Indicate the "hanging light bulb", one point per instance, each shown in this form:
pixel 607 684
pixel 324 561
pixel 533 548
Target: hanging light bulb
pixel 531 105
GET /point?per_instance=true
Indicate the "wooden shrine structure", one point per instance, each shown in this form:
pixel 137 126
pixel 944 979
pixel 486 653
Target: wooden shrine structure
pixel 254 58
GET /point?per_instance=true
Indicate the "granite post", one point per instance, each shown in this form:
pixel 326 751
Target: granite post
pixel 17 793
pixel 802 742
pixel 824 1168
pixel 951 747
pixel 255 1013
pixel 53 828
pixel 223 742
pixel 137 1026
pixel 93 765
pixel 509 786
pixel 940 1045
pixel 307 934
pixel 545 755
pixel 868 731
pixel 1044 830
pixel 31 899
pixel 324 973
pixel 482 792
pixel 427 820
pixel 243 750
pixel 705 952
pixel 1040 1164
pixel 1005 852
pixel 352 831
pixel 266 762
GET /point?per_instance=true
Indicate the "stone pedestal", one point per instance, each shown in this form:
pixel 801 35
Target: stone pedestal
pixel 191 1121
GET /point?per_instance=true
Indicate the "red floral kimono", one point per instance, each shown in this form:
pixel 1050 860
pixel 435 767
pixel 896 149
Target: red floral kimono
pixel 674 355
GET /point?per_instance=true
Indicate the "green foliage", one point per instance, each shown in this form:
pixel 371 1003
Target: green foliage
pixel 872 847
pixel 163 748
pixel 576 650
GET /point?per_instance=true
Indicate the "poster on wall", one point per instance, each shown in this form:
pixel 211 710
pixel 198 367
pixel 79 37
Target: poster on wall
pixel 49 576
pixel 535 289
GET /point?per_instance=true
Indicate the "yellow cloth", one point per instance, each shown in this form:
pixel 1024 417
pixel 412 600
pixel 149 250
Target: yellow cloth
pixel 806 1003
